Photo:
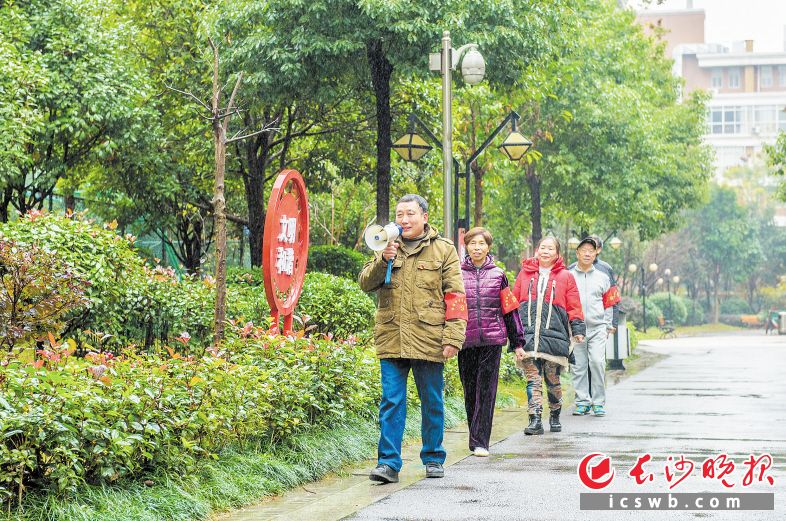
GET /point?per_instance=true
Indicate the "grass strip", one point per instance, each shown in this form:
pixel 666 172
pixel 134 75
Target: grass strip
pixel 236 478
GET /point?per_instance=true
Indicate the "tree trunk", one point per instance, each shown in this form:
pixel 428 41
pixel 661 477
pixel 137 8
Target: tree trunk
pixel 70 202
pixel 254 183
pixel 534 193
pixel 381 72
pixel 716 298
pixel 191 237
pixel 8 193
pixel 219 209
pixel 220 124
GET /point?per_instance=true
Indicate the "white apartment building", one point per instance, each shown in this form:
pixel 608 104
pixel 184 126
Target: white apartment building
pixel 748 106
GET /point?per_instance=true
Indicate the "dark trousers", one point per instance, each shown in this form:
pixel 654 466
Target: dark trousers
pixel 479 372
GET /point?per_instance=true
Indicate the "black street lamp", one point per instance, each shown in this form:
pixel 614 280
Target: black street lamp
pixel 411 147
pixel 667 272
pixel 643 288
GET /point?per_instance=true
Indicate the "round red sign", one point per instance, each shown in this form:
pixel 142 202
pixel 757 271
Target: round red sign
pixel 285 246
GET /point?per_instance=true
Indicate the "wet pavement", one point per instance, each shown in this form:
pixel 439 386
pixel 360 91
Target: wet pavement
pixel 711 396
pixel 706 396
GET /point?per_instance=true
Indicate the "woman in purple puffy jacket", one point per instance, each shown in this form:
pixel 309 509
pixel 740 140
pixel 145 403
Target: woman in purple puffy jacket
pixel 493 321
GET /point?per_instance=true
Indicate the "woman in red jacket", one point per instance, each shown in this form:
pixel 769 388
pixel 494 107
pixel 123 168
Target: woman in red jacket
pixel 550 310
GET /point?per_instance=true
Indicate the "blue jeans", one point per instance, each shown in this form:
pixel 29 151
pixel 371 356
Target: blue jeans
pixel 430 383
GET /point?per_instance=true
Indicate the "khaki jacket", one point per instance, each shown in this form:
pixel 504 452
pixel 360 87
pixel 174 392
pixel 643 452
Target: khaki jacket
pixel 410 320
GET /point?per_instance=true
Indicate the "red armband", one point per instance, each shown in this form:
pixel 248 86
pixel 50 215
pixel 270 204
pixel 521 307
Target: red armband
pixel 508 300
pixel 611 297
pixel 456 306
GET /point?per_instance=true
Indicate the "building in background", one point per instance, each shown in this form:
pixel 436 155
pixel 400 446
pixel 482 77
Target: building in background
pixel 748 105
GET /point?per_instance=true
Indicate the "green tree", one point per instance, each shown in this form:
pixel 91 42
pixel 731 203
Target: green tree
pixel 728 244
pixel 776 154
pixel 612 143
pixel 78 101
pixel 377 44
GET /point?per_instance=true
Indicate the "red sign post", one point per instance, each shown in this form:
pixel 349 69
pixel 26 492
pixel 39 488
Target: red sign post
pixel 285 247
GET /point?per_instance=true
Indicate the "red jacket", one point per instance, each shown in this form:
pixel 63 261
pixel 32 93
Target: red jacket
pixel 561 315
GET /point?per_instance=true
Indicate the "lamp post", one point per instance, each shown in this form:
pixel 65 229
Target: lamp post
pixel 667 273
pixel 473 69
pixel 412 146
pixel 643 287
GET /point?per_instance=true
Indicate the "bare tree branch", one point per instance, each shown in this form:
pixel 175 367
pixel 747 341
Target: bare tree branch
pixel 232 218
pixel 190 95
pixel 245 136
pixel 232 101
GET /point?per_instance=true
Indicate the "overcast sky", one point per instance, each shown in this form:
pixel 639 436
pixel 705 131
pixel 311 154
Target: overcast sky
pixel 732 20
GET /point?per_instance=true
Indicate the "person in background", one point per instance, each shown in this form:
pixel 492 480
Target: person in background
pixel 598 296
pixel 550 310
pixel 606 267
pixel 420 322
pixel 493 321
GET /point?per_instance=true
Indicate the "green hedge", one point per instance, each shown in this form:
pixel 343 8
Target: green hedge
pixel 634 310
pixel 679 309
pixel 336 305
pixel 131 302
pixel 735 306
pixel 128 302
pixel 66 421
pixel 336 260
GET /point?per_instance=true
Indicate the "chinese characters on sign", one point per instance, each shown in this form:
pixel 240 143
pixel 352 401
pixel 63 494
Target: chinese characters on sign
pixel 596 472
pixel 285 247
pixel 677 469
pixel 285 255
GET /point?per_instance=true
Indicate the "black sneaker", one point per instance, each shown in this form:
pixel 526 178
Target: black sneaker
pixel 434 470
pixel 384 474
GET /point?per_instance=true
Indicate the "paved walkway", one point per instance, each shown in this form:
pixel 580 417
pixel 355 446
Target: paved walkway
pixel 712 395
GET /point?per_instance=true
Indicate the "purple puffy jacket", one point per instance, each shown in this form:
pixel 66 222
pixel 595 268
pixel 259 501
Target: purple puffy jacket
pixel 487 326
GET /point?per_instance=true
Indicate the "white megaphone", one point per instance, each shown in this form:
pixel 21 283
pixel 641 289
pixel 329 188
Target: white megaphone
pixel 378 237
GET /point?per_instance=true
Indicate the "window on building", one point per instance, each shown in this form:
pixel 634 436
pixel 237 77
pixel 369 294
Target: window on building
pixel 716 121
pixel 765 78
pixel 732 120
pixel 717 78
pixel 782 75
pixel 764 120
pixel 725 120
pixel 781 112
pixel 734 77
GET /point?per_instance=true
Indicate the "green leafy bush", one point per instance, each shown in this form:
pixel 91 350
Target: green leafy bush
pixel 336 260
pixel 336 305
pixel 735 306
pixel 37 291
pixel 128 302
pixel 634 310
pixel 679 311
pixel 244 276
pixel 696 313
pixel 66 421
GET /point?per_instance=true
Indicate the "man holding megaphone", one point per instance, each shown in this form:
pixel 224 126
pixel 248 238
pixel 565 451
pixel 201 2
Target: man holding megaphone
pixel 420 323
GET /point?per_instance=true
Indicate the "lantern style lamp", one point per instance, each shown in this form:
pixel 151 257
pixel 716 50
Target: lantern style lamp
pixel 515 145
pixel 411 146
